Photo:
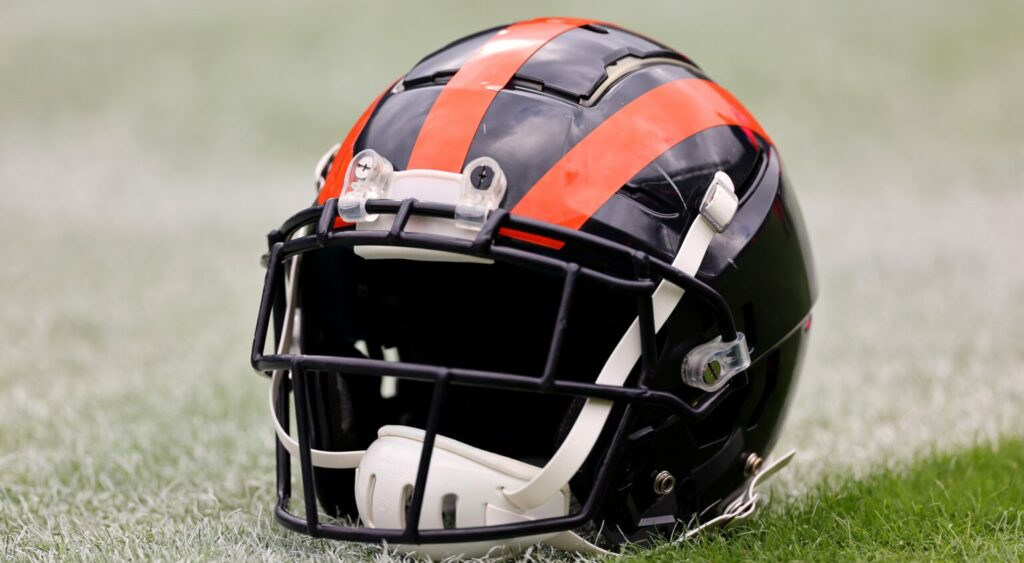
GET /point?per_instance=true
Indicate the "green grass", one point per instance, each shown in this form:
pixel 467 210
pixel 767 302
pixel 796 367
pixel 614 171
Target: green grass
pixel 964 505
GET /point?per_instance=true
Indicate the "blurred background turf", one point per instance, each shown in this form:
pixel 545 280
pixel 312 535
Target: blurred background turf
pixel 147 147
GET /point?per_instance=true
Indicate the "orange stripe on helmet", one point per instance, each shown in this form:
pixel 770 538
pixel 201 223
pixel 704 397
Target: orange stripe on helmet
pixel 530 237
pixel 443 141
pixel 336 175
pixel 633 137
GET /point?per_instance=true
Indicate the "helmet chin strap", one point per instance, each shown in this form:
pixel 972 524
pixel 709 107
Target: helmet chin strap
pixel 717 211
pixel 471 487
pixel 320 458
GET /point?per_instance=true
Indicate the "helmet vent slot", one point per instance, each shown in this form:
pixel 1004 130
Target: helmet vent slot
pixel 369 495
pixel 449 502
pixel 625 66
pixel 406 502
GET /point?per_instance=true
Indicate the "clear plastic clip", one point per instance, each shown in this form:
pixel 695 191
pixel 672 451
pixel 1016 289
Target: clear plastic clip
pixel 712 364
pixel 483 186
pixel 368 177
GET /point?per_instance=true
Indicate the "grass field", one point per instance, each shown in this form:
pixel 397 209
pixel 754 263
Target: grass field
pixel 146 148
pixel 965 505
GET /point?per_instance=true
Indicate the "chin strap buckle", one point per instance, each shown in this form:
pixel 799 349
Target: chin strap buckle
pixel 744 506
pixel 720 202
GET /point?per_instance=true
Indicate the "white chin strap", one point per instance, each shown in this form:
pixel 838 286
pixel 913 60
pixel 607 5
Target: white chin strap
pixel 717 211
pixel 470 487
pixel 320 458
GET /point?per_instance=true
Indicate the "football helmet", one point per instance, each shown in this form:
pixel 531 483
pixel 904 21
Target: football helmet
pixel 555 288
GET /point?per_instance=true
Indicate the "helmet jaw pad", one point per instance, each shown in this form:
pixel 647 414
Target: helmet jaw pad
pixel 464 489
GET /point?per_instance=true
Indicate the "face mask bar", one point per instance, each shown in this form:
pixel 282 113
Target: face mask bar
pixel 485 245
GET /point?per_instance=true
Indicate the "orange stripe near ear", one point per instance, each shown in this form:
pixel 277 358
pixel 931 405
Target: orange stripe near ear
pixel 336 175
pixel 444 139
pixel 600 164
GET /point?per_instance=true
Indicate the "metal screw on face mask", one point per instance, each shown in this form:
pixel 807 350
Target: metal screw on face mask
pixel 712 371
pixel 664 482
pixel 363 167
pixel 752 465
pixel 482 177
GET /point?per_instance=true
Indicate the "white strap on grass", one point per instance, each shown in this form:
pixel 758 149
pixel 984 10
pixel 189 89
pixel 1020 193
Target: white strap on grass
pixel 744 506
pixel 320 458
pixel 566 540
pixel 716 212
